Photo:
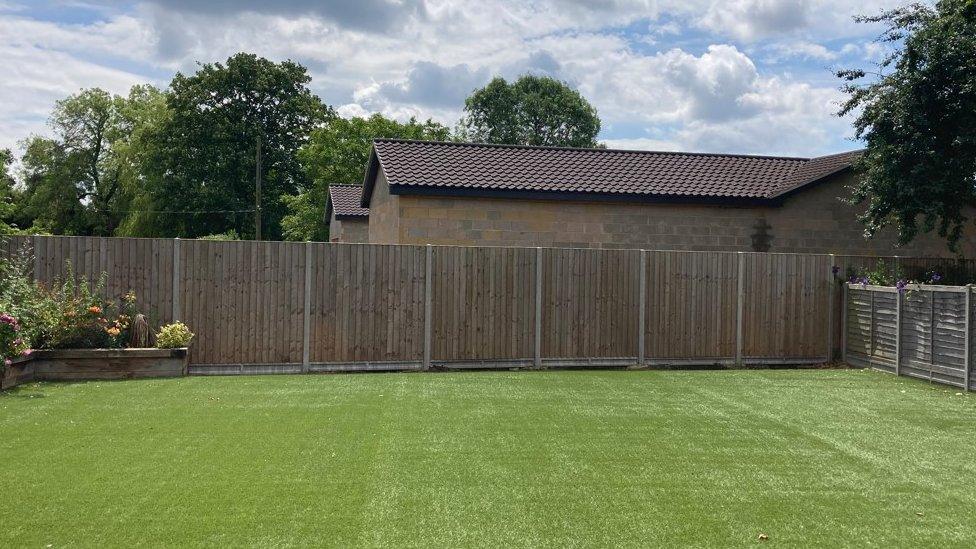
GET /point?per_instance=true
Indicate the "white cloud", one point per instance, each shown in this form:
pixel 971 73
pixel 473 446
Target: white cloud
pixel 35 78
pixel 640 62
pixel 752 19
pixel 801 49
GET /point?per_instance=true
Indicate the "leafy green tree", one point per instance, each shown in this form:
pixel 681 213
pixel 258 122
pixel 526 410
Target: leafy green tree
pixel 918 118
pixel 337 152
pixel 533 110
pixel 7 191
pixel 204 153
pixel 75 181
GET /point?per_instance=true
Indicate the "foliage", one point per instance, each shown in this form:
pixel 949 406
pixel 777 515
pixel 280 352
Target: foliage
pixel 12 345
pixel 80 181
pixel 533 110
pixel 891 273
pixel 337 152
pixel 919 121
pixel 174 336
pixel 204 152
pixel 21 298
pixel 7 193
pixel 83 319
pixel 222 237
pixel 884 273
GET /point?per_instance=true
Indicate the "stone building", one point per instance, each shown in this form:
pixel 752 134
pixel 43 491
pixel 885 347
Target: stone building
pixel 499 195
pixel 348 220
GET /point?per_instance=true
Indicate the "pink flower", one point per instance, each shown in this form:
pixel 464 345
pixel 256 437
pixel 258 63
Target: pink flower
pixel 7 361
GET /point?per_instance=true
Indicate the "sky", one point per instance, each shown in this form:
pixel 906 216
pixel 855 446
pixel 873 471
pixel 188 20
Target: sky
pixel 736 76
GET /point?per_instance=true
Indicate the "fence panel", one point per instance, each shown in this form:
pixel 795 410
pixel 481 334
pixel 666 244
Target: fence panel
pixel 928 336
pixel 934 336
pixel 243 300
pixel 379 303
pixel 690 307
pixel 590 303
pixel 483 303
pixel 786 305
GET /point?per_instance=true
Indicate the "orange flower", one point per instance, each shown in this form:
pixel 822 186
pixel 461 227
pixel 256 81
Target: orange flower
pixel 95 309
pixel 114 332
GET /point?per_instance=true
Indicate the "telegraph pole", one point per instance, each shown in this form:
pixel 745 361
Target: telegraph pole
pixel 257 190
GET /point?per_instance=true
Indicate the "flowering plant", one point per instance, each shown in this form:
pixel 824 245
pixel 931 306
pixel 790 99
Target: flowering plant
pixel 82 319
pixel 12 345
pixel 893 275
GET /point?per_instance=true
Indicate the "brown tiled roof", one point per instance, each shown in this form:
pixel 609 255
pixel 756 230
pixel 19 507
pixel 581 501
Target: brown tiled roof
pixel 438 166
pixel 346 199
pixel 816 169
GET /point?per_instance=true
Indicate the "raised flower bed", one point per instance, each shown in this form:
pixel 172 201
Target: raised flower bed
pixel 92 364
pixel 78 334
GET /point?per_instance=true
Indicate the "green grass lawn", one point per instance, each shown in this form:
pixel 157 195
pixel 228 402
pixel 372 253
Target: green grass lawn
pixel 582 458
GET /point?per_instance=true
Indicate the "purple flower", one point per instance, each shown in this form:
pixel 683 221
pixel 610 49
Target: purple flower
pixel 864 280
pixel 936 277
pixel 835 269
pixel 901 285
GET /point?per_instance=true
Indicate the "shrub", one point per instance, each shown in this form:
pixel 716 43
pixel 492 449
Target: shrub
pixel 12 344
pixel 173 336
pixel 78 317
pixel 21 299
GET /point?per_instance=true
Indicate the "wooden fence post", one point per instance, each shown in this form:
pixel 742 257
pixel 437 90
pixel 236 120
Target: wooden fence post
pixel 176 280
pixel 428 304
pixel 642 297
pixel 830 310
pixel 739 308
pixel 307 311
pixel 967 358
pixel 537 355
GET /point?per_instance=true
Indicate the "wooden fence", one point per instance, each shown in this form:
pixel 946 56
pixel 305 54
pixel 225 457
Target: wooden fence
pixel 925 332
pixel 291 307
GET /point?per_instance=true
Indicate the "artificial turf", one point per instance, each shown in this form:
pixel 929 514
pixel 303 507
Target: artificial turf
pixel 551 458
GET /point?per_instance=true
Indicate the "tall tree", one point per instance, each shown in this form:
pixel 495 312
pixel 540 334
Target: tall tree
pixel 204 157
pixel 74 180
pixel 918 118
pixel 7 212
pixel 337 153
pixel 533 110
pixel 77 180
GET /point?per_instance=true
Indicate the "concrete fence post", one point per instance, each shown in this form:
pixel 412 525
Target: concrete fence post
pixel 428 304
pixel 830 310
pixel 176 280
pixel 845 296
pixel 642 304
pixel 537 355
pixel 898 308
pixel 739 307
pixel 968 345
pixel 35 247
pixel 307 310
